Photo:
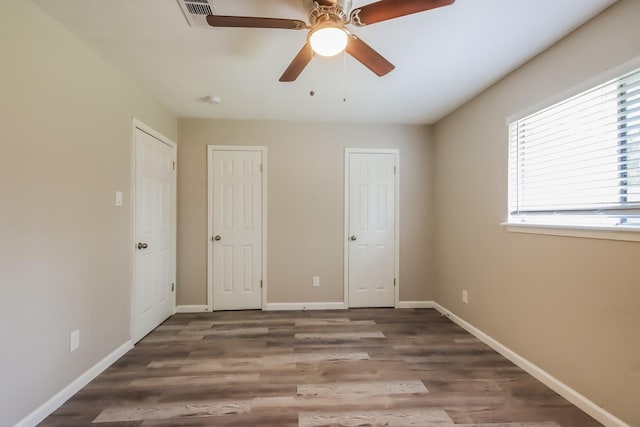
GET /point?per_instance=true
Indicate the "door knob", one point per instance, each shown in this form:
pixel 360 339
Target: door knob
pixel 142 246
pixel 354 238
pixel 218 237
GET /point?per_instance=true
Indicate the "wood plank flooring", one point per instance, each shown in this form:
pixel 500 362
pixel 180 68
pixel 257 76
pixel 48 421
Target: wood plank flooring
pixel 364 367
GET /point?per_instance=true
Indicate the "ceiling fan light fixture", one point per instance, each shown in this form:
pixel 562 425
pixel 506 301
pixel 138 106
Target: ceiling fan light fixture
pixel 328 40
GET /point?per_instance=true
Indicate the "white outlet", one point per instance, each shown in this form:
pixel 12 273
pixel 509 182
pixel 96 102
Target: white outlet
pixel 465 297
pixel 316 281
pixel 74 340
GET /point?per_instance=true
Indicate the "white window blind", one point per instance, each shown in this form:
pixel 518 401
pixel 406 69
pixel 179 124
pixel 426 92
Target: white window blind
pixel 578 161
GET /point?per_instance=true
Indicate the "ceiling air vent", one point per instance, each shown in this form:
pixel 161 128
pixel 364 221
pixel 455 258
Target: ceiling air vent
pixel 196 11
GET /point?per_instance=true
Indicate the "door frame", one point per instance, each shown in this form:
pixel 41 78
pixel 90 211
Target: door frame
pixel 139 125
pixel 210 150
pixel 396 261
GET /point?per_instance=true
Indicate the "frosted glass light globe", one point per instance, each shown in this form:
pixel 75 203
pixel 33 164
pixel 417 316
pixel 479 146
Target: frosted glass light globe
pixel 328 41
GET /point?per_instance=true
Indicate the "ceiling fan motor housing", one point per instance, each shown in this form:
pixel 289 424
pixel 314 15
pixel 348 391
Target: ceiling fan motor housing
pixel 321 11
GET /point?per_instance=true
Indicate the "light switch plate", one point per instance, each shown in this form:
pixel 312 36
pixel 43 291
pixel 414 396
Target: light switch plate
pixel 118 198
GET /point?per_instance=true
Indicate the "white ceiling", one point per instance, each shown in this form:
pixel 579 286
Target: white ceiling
pixel 443 57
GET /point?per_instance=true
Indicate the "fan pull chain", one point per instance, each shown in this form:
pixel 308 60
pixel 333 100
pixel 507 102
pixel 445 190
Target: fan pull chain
pixel 344 76
pixel 313 79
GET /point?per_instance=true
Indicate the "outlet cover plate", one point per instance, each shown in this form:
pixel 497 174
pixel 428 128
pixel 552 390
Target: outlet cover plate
pixel 74 340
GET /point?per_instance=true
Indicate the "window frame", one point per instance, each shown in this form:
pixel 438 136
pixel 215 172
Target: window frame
pixel 618 232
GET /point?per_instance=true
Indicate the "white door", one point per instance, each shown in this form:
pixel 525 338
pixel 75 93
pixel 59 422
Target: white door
pixel 371 220
pixel 236 229
pixel 154 269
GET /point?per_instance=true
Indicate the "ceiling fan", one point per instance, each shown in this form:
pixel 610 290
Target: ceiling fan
pixel 328 34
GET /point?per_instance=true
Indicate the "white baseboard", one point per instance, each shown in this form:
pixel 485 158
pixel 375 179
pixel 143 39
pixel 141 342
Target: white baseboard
pixel 47 408
pixel 336 305
pixel 192 309
pixel 598 413
pixel 275 306
pixel 415 304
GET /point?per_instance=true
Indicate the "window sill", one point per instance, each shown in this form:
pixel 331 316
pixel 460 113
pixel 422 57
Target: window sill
pixel 626 234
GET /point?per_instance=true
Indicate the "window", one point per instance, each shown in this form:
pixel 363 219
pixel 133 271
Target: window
pixel 578 161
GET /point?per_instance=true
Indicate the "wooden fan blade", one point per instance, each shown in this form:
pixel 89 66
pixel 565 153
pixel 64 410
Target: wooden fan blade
pixel 297 65
pixel 368 56
pixel 254 22
pixel 388 9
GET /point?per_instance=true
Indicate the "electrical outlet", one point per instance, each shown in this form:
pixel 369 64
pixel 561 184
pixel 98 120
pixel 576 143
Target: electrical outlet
pixel 74 340
pixel 118 198
pixel 465 297
pixel 316 281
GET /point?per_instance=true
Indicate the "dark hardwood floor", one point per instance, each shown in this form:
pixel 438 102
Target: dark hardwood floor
pixel 365 367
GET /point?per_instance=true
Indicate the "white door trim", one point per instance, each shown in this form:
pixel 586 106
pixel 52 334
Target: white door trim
pixel 139 125
pixel 210 150
pixel 396 153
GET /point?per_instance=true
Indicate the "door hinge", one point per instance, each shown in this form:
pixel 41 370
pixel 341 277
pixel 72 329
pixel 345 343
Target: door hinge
pixel 173 165
pixel 173 287
pixel 260 167
pixel 394 170
pixel 260 283
pixel 394 282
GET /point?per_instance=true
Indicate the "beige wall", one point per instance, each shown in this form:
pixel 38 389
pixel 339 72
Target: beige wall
pixel 65 135
pixel 305 190
pixel 568 305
